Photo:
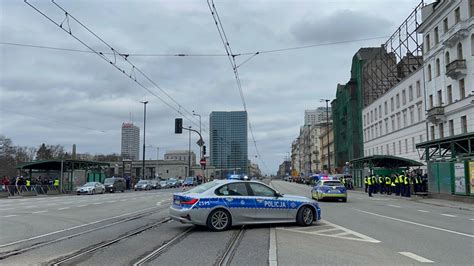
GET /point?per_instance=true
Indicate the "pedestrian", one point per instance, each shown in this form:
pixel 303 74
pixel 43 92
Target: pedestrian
pixel 381 184
pixel 388 185
pixel 401 179
pixel 369 183
pixel 407 186
pixel 366 183
pixel 374 184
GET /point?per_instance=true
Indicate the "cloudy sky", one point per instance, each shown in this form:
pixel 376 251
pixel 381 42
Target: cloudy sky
pixel 65 97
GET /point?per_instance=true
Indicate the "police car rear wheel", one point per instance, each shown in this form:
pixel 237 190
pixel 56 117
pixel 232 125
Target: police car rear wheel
pixel 219 220
pixel 305 216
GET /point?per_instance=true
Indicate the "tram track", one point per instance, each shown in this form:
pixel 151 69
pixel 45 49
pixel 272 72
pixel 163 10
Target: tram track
pixel 231 247
pixel 23 249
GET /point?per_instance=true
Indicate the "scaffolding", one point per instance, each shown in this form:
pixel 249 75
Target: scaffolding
pixel 400 56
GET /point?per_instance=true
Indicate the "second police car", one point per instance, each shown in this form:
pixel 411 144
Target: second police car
pixel 221 204
pixel 329 188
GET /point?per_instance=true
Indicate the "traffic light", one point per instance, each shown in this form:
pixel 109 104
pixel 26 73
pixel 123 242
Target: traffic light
pixel 204 150
pixel 178 125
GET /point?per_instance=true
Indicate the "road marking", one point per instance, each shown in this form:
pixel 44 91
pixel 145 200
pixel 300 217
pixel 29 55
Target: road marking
pixel 396 206
pixel 342 234
pixel 39 212
pixel 65 208
pixel 96 203
pixel 326 230
pixel 11 215
pixel 422 225
pixel 449 215
pixel 272 251
pixel 422 211
pixel 111 201
pixel 74 227
pixel 416 257
pixel 80 206
pixel 471 219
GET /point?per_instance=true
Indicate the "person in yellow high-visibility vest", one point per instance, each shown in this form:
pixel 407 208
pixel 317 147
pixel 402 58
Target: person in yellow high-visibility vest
pixel 28 184
pixel 388 185
pixel 370 182
pixel 56 183
pixel 365 183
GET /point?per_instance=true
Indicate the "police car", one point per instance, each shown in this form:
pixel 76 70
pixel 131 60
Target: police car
pixel 221 204
pixel 329 188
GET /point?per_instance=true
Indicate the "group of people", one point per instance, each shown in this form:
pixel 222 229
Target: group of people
pixel 18 184
pixel 400 184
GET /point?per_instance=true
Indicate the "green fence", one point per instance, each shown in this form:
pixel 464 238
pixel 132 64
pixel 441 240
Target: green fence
pixel 450 178
pixel 95 177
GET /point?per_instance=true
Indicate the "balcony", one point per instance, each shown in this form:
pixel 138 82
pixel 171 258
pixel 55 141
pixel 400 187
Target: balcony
pixel 456 69
pixel 436 114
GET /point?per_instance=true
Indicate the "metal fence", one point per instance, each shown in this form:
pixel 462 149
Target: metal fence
pixel 31 190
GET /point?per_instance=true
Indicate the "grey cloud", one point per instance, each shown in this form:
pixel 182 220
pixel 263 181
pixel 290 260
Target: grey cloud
pixel 341 25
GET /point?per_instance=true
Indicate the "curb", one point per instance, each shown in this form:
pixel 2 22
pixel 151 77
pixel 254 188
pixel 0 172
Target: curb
pixel 420 200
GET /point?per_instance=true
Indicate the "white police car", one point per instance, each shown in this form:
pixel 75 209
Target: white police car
pixel 221 204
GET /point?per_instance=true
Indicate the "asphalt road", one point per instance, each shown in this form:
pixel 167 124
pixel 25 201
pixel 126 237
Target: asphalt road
pixel 128 228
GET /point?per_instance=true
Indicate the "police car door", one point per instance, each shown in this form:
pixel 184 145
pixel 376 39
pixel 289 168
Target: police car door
pixel 237 199
pixel 268 206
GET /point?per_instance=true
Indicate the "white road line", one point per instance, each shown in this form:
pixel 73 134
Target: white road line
pixel 342 234
pixel 326 230
pixel 416 257
pixel 364 237
pixel 423 225
pixel 111 201
pixel 422 211
pixel 65 208
pixel 11 215
pixel 39 212
pixel 272 251
pixel 471 219
pixel 96 203
pixel 395 206
pixel 449 215
pixel 80 206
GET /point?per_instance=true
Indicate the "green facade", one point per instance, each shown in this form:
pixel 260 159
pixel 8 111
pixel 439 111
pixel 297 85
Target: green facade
pixel 347 116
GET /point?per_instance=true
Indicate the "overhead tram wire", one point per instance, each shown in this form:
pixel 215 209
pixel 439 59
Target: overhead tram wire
pixel 113 63
pixel 231 57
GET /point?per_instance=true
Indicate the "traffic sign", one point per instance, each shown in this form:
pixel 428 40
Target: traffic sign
pixel 200 142
pixel 203 161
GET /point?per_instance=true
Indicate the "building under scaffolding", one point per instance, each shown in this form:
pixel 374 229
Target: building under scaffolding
pixel 374 71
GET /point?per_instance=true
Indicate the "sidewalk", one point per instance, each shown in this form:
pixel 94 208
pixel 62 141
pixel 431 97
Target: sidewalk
pixel 432 201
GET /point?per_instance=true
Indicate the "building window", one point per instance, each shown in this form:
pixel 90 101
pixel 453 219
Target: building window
pixel 446 58
pixel 432 132
pixel 431 101
pixel 420 118
pixel 418 89
pixel 371 116
pixel 385 107
pixel 421 138
pixel 471 8
pixel 462 89
pixel 451 127
pixel 393 124
pixel 457 15
pixel 406 145
pixel 398 121
pixel 386 126
pixel 404 118
pixel 398 100
pixel 438 67
pixel 394 150
pixel 410 93
pixel 460 57
pixel 412 116
pixel 449 90
pixel 427 42
pixel 380 128
pixel 440 98
pixel 404 97
pixel 441 130
pixel 413 148
pixel 436 36
pixel 388 149
pixel 381 150
pixel 445 25
pixel 375 113
pixel 463 124
pixel 429 73
pixel 380 111
pixel 376 131
pixel 391 104
pixel 400 146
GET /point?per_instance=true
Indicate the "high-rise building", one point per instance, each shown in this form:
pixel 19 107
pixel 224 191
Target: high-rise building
pixel 130 141
pixel 228 142
pixel 316 116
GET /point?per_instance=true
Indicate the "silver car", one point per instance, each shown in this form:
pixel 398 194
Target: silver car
pixel 91 188
pixel 221 204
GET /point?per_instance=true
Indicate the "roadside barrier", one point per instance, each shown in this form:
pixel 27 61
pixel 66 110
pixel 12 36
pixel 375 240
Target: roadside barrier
pixel 23 190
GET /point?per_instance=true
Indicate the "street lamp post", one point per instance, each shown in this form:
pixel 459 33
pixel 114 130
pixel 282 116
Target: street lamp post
pixel 189 153
pixel 144 129
pixel 200 146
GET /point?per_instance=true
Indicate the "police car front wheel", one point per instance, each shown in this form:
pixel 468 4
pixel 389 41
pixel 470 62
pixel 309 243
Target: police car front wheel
pixel 305 216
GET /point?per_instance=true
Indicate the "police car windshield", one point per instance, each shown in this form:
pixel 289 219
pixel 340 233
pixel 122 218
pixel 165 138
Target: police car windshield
pixel 201 188
pixel 332 183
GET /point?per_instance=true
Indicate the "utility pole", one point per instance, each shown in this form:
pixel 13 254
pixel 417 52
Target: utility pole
pixel 200 146
pixel 189 153
pixel 144 128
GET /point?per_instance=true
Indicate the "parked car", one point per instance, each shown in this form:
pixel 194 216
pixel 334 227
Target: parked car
pixel 163 184
pixel 155 184
pixel 143 185
pixel 190 181
pixel 115 184
pixel 172 182
pixel 91 188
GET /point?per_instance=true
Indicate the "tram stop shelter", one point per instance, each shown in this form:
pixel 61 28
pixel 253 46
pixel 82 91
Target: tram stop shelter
pixel 65 169
pixel 380 165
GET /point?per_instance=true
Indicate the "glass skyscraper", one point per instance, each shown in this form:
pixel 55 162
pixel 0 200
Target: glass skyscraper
pixel 228 142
